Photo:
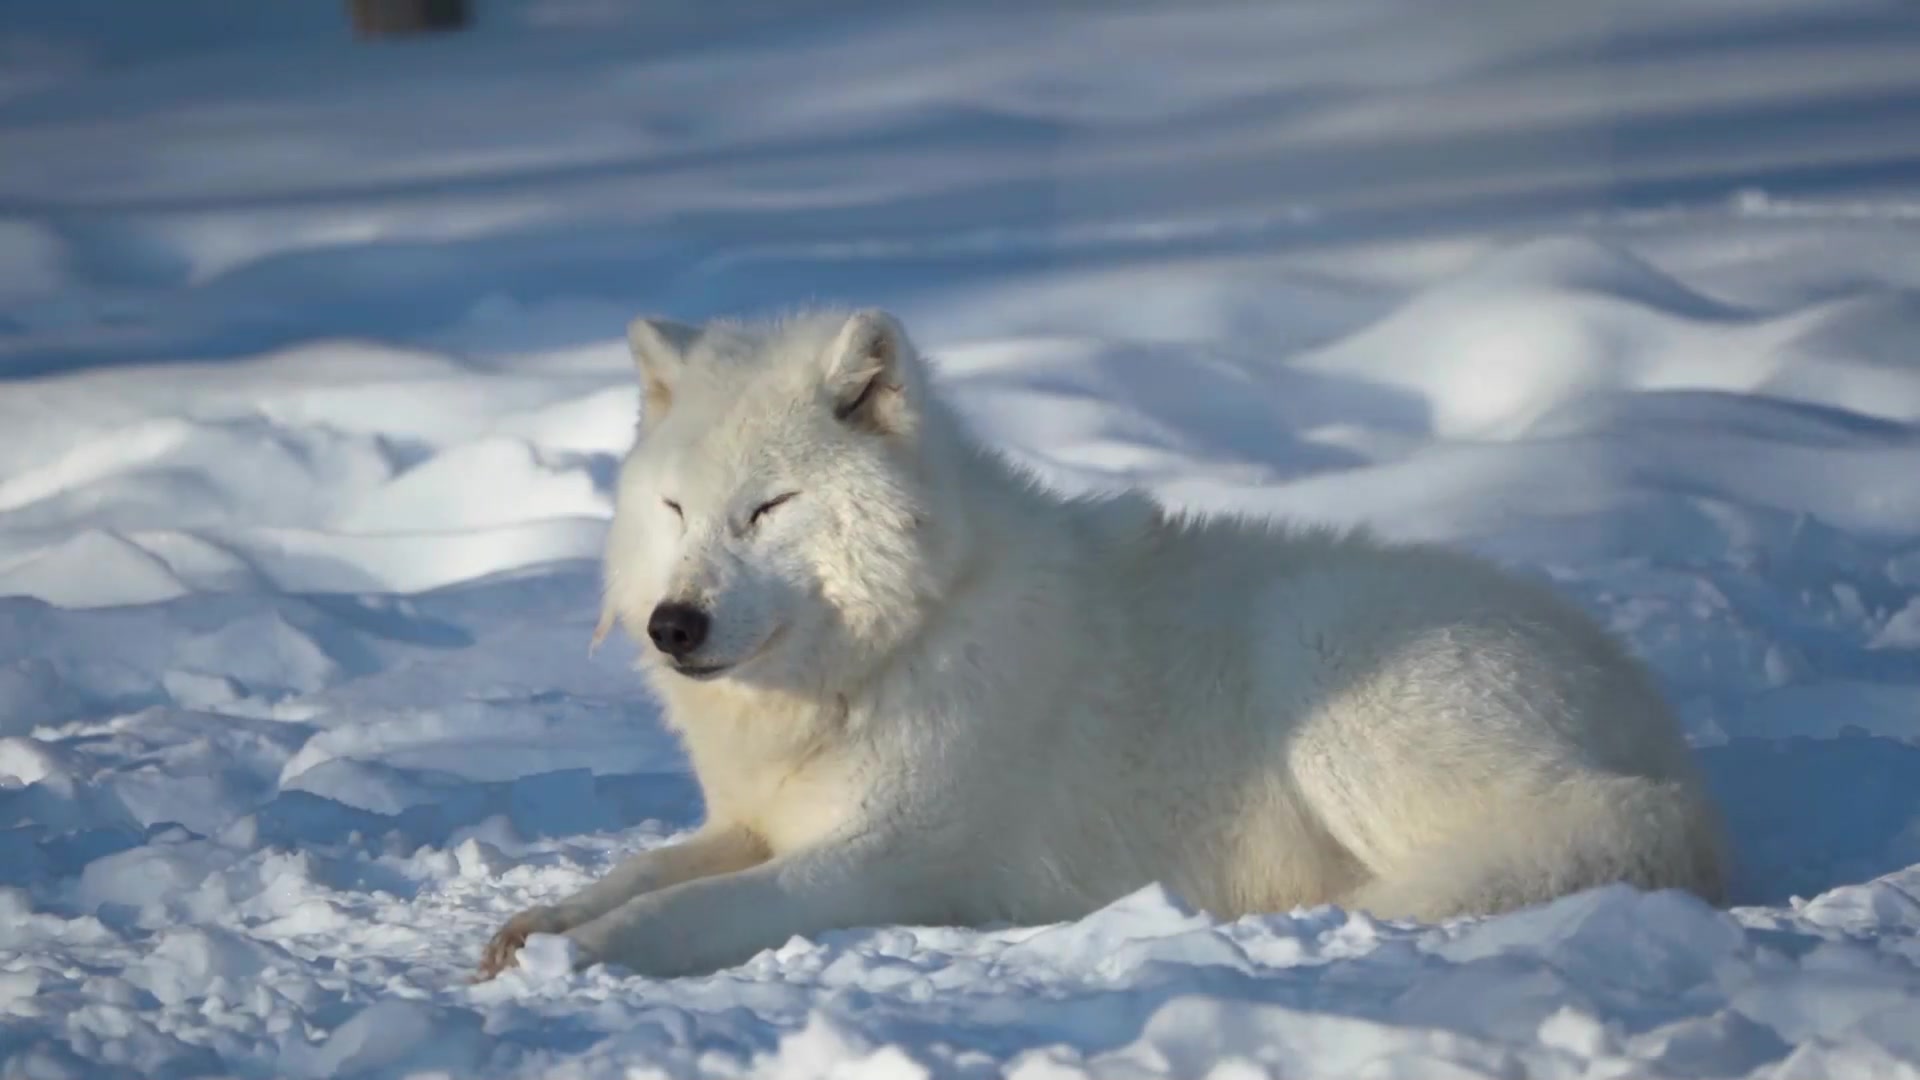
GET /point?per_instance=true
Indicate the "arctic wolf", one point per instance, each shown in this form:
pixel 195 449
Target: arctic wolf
pixel 918 688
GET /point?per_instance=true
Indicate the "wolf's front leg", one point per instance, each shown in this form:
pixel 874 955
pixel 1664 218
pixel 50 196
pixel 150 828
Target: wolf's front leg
pixel 703 926
pixel 714 849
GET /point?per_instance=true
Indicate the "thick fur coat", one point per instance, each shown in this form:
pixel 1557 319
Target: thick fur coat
pixel 918 688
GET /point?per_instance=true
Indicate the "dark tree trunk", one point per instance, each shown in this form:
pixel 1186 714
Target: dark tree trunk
pixel 387 18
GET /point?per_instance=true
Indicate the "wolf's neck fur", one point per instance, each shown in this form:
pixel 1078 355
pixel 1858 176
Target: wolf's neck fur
pixel 997 515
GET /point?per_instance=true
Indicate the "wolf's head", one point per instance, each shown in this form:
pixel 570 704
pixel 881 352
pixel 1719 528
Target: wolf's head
pixel 776 520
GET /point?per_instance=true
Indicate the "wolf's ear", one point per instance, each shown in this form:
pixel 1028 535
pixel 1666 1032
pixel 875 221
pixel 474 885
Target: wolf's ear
pixel 660 349
pixel 869 367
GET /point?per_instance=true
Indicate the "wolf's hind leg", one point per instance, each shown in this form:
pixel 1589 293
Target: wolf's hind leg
pixel 1653 834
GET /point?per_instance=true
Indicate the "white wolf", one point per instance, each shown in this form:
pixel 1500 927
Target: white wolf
pixel 917 688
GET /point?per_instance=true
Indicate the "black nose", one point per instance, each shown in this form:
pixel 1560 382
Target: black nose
pixel 677 629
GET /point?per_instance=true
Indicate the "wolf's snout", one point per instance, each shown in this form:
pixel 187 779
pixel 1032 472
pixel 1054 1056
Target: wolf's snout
pixel 677 629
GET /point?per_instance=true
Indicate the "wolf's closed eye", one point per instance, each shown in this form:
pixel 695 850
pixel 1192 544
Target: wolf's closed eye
pixel 768 507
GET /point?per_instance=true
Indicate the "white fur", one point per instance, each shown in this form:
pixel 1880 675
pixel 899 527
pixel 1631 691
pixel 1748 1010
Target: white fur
pixel 959 698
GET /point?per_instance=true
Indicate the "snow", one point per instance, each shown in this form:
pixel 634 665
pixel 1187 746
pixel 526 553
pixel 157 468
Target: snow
pixel 312 392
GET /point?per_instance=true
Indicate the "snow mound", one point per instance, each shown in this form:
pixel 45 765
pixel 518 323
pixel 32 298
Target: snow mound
pixel 1530 330
pixel 400 1038
pixel 95 568
pixel 476 485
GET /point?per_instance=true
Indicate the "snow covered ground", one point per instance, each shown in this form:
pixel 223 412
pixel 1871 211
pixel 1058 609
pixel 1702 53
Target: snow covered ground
pixel 311 392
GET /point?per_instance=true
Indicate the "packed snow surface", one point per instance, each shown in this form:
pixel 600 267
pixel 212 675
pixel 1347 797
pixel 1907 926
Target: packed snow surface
pixel 312 390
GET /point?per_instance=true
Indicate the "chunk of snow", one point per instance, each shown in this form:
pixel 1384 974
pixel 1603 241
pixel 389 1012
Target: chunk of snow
pixel 546 957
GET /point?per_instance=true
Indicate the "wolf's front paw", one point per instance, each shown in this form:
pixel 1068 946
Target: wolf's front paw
pixel 505 946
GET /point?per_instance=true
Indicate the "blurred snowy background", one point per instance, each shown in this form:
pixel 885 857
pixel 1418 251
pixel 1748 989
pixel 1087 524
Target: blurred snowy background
pixel 312 388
